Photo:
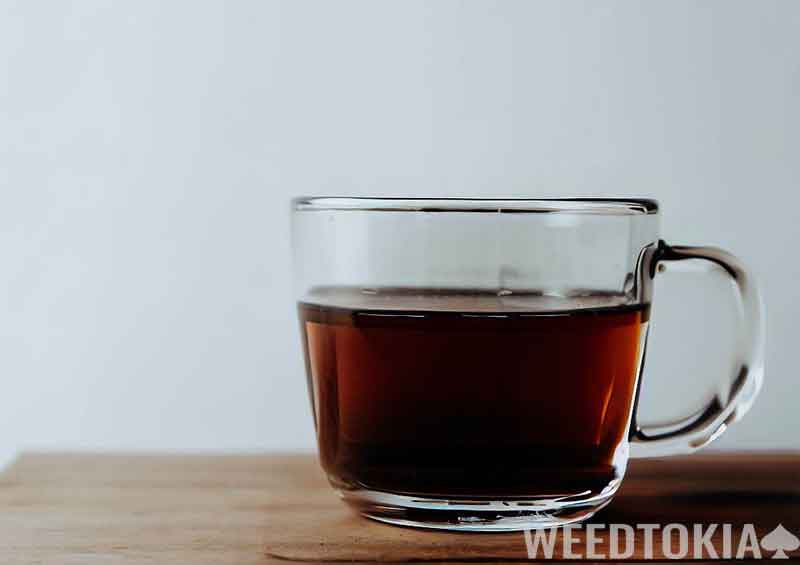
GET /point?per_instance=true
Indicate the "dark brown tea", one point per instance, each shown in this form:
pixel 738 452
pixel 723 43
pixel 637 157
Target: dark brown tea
pixel 471 394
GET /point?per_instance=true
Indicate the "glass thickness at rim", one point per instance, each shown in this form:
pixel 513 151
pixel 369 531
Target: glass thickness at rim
pixel 612 206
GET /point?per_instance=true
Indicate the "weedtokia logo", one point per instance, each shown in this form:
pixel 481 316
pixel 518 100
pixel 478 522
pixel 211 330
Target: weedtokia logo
pixel 656 541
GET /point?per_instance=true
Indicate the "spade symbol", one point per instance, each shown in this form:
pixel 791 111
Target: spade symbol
pixel 780 540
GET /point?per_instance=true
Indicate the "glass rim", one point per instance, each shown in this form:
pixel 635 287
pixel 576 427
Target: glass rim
pixel 611 206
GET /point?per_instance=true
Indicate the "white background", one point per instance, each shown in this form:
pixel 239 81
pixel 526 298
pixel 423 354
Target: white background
pixel 148 151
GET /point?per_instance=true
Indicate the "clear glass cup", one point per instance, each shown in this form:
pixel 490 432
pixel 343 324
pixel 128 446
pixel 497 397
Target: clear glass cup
pixel 474 364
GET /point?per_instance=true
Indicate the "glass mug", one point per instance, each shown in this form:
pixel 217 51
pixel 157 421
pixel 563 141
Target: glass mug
pixel 474 364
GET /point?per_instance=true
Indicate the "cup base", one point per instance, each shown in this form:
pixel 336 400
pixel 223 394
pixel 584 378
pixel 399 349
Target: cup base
pixel 477 515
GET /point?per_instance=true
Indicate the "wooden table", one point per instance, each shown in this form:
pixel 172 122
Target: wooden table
pixel 82 509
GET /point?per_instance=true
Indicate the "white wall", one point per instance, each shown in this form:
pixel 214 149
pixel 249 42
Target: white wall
pixel 148 150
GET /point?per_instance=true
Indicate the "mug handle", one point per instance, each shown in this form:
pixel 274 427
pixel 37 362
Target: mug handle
pixel 696 430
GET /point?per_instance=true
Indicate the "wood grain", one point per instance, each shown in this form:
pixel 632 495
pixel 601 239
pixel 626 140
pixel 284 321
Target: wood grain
pixel 119 509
